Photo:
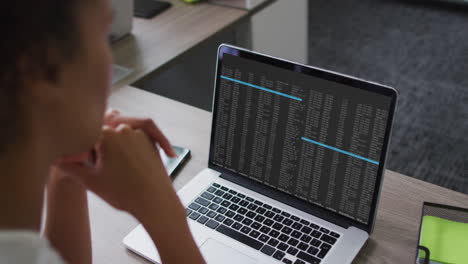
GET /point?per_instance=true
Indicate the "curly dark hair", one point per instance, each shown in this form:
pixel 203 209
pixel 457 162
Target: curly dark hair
pixel 38 34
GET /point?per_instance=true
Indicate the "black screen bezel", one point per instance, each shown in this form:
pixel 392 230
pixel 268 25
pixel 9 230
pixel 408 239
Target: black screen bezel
pixel 319 73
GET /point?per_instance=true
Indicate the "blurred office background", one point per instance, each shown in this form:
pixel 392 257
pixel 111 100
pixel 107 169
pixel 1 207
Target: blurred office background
pixel 418 47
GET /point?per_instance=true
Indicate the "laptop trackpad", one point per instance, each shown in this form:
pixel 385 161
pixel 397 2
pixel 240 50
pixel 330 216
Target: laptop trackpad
pixel 215 252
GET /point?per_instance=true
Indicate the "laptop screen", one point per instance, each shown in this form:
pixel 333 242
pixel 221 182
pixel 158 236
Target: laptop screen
pixel 313 138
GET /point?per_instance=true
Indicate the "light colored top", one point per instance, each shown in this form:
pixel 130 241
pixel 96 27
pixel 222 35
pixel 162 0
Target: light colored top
pixel 26 247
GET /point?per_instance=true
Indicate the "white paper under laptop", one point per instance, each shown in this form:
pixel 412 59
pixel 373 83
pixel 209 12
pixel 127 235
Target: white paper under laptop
pixel 295 166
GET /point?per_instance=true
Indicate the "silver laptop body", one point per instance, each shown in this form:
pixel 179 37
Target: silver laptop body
pixel 278 225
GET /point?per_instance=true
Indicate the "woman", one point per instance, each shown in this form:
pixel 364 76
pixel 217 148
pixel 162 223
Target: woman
pixel 54 80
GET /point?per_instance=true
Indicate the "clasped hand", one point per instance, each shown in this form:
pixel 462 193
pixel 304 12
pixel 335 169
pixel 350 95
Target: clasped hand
pixel 124 168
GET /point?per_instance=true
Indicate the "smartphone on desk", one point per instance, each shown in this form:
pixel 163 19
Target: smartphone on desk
pixel 173 164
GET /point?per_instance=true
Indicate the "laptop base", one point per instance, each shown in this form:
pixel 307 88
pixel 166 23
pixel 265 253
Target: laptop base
pixel 344 251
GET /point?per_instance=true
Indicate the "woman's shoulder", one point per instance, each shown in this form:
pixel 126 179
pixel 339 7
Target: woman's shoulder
pixel 26 247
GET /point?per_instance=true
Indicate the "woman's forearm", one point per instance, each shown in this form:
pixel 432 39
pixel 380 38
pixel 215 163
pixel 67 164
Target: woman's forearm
pixel 172 237
pixel 176 245
pixel 67 224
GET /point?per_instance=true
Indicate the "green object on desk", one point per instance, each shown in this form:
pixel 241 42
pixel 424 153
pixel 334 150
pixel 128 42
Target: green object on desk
pixel 191 1
pixel 446 240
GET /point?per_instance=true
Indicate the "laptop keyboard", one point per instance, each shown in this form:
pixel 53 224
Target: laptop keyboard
pixel 274 232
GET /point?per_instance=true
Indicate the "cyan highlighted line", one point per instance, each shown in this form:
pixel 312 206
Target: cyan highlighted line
pixel 262 88
pixel 339 150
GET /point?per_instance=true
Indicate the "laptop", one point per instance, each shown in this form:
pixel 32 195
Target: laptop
pixel 296 163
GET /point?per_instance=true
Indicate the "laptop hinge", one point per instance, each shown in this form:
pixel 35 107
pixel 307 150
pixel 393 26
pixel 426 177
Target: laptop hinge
pixel 287 199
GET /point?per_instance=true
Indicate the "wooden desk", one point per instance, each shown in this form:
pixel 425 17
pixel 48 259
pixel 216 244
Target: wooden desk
pixel 151 47
pixel 395 235
pixel 156 42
